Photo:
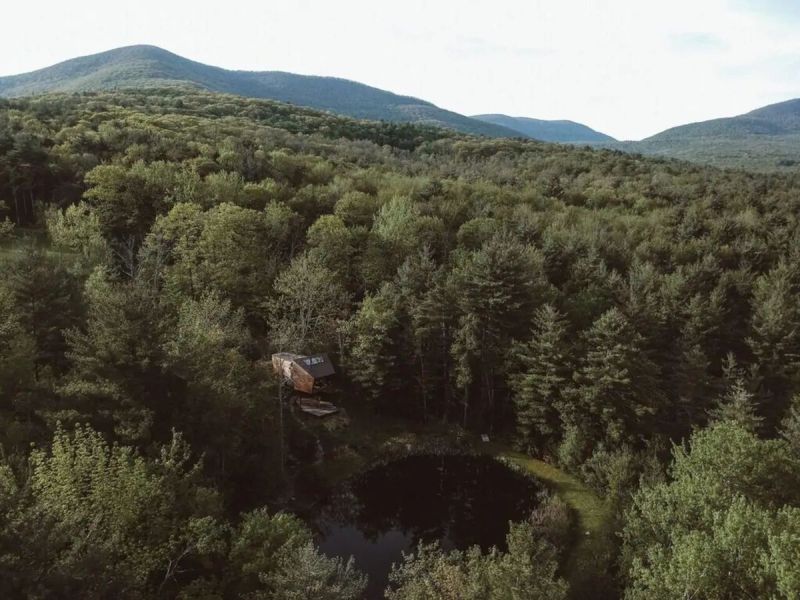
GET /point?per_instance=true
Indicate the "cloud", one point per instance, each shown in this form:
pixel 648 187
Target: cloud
pixel 484 47
pixel 776 9
pixel 696 42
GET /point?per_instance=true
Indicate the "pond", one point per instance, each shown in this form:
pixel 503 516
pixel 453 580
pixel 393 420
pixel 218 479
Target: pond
pixel 459 501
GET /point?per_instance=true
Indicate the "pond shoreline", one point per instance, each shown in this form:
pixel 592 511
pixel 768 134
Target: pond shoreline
pixel 369 440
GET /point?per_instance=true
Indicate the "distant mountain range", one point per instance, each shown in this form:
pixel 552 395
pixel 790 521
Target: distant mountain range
pixel 149 66
pixel 776 119
pixel 767 138
pixel 568 132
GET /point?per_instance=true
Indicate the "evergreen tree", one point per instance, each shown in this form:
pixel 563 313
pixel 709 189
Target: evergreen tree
pixel 117 379
pixel 497 289
pixel 433 318
pixel 790 427
pixel 537 385
pixel 615 387
pixel 737 406
pixel 17 355
pixel 775 336
pixel 48 301
pixel 376 347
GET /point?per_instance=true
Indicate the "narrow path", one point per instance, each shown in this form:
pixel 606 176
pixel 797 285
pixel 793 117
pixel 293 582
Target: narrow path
pixel 587 564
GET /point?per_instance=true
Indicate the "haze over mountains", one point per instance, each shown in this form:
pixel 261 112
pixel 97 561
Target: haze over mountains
pixel 767 138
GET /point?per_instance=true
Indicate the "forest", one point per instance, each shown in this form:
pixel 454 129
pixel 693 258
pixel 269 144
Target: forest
pixel 633 322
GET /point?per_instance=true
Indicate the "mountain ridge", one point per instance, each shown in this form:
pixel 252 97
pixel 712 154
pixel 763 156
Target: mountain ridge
pixel 563 131
pixel 764 139
pixel 780 118
pixel 150 66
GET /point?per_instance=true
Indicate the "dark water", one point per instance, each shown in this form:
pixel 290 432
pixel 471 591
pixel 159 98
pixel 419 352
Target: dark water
pixel 458 500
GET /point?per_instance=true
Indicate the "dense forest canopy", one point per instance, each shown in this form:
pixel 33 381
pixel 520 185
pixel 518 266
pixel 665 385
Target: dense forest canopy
pixel 634 321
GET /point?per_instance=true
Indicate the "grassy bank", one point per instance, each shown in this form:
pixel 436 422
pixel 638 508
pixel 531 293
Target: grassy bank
pixel 588 560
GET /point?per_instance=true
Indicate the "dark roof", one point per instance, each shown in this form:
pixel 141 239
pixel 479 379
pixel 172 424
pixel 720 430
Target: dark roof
pixel 316 365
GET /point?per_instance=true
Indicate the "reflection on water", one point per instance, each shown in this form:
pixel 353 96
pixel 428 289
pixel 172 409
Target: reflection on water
pixel 458 500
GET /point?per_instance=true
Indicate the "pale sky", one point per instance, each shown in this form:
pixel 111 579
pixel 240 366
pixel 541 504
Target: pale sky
pixel 629 68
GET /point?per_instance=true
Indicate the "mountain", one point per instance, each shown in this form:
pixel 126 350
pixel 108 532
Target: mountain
pixel 567 132
pixel 150 66
pixel 766 139
pixel 776 119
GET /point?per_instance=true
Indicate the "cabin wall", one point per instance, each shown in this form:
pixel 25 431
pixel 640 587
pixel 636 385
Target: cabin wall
pixel 303 382
pixel 282 366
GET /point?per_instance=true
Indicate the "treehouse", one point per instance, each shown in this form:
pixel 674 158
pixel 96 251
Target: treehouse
pixel 307 374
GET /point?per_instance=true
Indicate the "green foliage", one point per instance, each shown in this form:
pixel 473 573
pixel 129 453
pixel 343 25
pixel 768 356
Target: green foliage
pixel 537 386
pixel 47 297
pixel 526 571
pixel 98 520
pixel 589 297
pixel 6 230
pixel 309 575
pixel 17 350
pixel 116 380
pixel 77 229
pixel 791 426
pixel 615 385
pixel 309 307
pixel 737 406
pixel 711 531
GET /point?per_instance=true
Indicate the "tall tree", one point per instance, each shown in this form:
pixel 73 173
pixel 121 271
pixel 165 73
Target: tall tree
pixel 309 306
pixel 537 385
pixel 775 336
pixel 497 289
pixel 48 301
pixel 615 386
pixel 117 379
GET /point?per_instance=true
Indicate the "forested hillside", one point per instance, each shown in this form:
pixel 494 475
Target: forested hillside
pixel 137 67
pixel 633 321
pixel 766 139
pixel 548 131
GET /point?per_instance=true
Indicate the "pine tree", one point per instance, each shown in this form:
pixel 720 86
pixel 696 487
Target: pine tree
pixel 790 427
pixel 615 386
pixel 537 385
pixel 497 289
pixel 433 319
pixel 737 405
pixel 48 301
pixel 376 351
pixel 775 335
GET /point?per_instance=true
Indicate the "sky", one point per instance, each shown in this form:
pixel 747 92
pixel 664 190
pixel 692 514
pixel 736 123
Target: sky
pixel 629 68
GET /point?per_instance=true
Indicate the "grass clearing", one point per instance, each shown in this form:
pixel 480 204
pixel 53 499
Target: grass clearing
pixel 588 560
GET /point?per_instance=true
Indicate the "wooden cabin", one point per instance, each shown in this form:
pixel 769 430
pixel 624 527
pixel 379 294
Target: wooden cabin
pixel 305 373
